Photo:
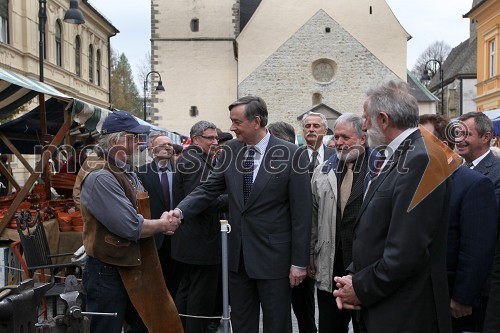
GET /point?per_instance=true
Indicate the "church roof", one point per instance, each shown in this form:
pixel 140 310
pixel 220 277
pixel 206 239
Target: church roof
pixel 460 63
pixel 247 8
pixel 418 90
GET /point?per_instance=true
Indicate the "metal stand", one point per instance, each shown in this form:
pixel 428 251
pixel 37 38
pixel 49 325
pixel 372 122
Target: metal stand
pixel 225 228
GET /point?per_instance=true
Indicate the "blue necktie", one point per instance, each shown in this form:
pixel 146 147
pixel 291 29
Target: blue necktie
pixel 165 187
pixel 248 167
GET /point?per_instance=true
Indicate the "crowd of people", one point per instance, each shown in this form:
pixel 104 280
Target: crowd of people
pixel 391 226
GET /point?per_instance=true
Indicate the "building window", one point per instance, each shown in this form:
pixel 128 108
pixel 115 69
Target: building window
pixel 98 67
pixel 91 63
pixel 4 21
pixel 492 58
pixel 58 44
pixel 193 111
pixel 195 25
pixel 77 57
pixel 317 98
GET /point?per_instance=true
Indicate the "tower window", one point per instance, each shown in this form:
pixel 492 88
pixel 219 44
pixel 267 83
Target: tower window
pixel 195 25
pixel 193 112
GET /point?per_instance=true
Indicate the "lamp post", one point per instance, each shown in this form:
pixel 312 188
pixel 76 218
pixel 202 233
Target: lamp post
pixel 73 15
pixel 159 87
pixel 427 77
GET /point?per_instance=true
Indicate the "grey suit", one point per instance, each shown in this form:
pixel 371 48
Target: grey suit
pixel 490 167
pixel 270 232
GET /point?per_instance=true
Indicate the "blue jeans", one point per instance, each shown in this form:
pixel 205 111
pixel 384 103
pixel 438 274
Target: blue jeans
pixel 105 293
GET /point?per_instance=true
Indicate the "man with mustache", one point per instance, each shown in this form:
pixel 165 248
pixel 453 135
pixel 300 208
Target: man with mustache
pixel 398 271
pixel 314 128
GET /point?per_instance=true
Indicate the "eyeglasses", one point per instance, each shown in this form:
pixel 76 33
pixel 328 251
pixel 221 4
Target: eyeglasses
pixel 136 136
pixel 211 138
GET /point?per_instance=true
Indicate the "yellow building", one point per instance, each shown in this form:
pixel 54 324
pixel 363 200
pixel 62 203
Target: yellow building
pixel 77 56
pixel 486 13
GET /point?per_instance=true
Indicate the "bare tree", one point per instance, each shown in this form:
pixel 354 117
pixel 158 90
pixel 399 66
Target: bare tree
pixel 144 68
pixel 438 50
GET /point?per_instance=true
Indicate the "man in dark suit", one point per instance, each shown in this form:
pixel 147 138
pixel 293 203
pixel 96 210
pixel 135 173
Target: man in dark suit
pixel 197 246
pixel 492 320
pixel 473 144
pixel 351 168
pixel 399 248
pixel 161 200
pixel 270 215
pixel 472 231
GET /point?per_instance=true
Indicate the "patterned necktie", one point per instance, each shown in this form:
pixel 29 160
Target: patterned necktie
pixel 313 163
pixel 469 164
pixel 345 187
pixel 165 186
pixel 248 167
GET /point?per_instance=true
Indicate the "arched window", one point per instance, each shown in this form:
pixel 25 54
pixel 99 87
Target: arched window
pixel 4 21
pixel 58 36
pixel 77 57
pixel 98 67
pixel 91 63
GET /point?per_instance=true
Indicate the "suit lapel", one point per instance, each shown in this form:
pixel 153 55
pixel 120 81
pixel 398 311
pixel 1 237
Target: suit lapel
pixel 238 173
pixel 263 176
pixel 391 164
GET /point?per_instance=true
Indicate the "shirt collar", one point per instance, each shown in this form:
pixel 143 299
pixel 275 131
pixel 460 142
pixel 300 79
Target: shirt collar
pixel 394 144
pixel 480 158
pixel 261 146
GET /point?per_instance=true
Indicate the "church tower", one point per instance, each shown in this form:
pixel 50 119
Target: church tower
pixel 193 48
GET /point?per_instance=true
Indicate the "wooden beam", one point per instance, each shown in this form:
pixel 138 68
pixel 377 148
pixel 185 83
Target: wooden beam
pixel 41 165
pixel 9 177
pixel 16 152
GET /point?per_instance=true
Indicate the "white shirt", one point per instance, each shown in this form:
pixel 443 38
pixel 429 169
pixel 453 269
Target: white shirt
pixel 260 150
pixel 394 144
pixel 321 153
pixel 479 159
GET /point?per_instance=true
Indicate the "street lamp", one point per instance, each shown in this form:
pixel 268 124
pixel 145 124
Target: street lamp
pixel 73 15
pixel 159 87
pixel 426 77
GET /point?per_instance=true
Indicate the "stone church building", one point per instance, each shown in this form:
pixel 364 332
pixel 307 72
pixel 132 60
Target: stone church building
pixel 297 55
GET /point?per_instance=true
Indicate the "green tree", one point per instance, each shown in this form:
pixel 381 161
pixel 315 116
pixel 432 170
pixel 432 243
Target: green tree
pixel 124 93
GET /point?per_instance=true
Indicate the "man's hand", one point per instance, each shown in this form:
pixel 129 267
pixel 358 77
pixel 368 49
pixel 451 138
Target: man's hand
pixel 345 295
pixel 169 222
pixel 459 310
pixel 311 269
pixel 297 275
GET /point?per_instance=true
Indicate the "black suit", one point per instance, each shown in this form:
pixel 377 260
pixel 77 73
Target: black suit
pixel 399 254
pixel 197 243
pixel 490 167
pixel 492 321
pixel 270 232
pixel 472 237
pixel 150 178
pixel 303 295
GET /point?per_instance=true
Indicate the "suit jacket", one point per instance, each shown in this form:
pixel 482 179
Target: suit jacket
pixel 399 255
pixel 328 152
pixel 490 167
pixel 272 229
pixel 492 320
pixel 472 234
pixel 197 241
pixel 148 174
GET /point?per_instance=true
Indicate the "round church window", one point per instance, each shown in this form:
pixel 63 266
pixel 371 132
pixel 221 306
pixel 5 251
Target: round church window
pixel 323 70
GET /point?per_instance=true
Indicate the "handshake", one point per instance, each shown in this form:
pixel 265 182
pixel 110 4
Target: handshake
pixel 170 221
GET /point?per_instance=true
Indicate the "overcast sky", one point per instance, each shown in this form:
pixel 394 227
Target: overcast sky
pixel 426 21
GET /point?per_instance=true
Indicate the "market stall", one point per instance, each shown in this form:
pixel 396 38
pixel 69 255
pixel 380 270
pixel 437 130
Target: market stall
pixel 40 132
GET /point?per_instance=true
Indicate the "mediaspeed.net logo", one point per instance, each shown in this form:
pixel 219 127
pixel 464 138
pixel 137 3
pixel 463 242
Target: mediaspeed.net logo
pixel 442 163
